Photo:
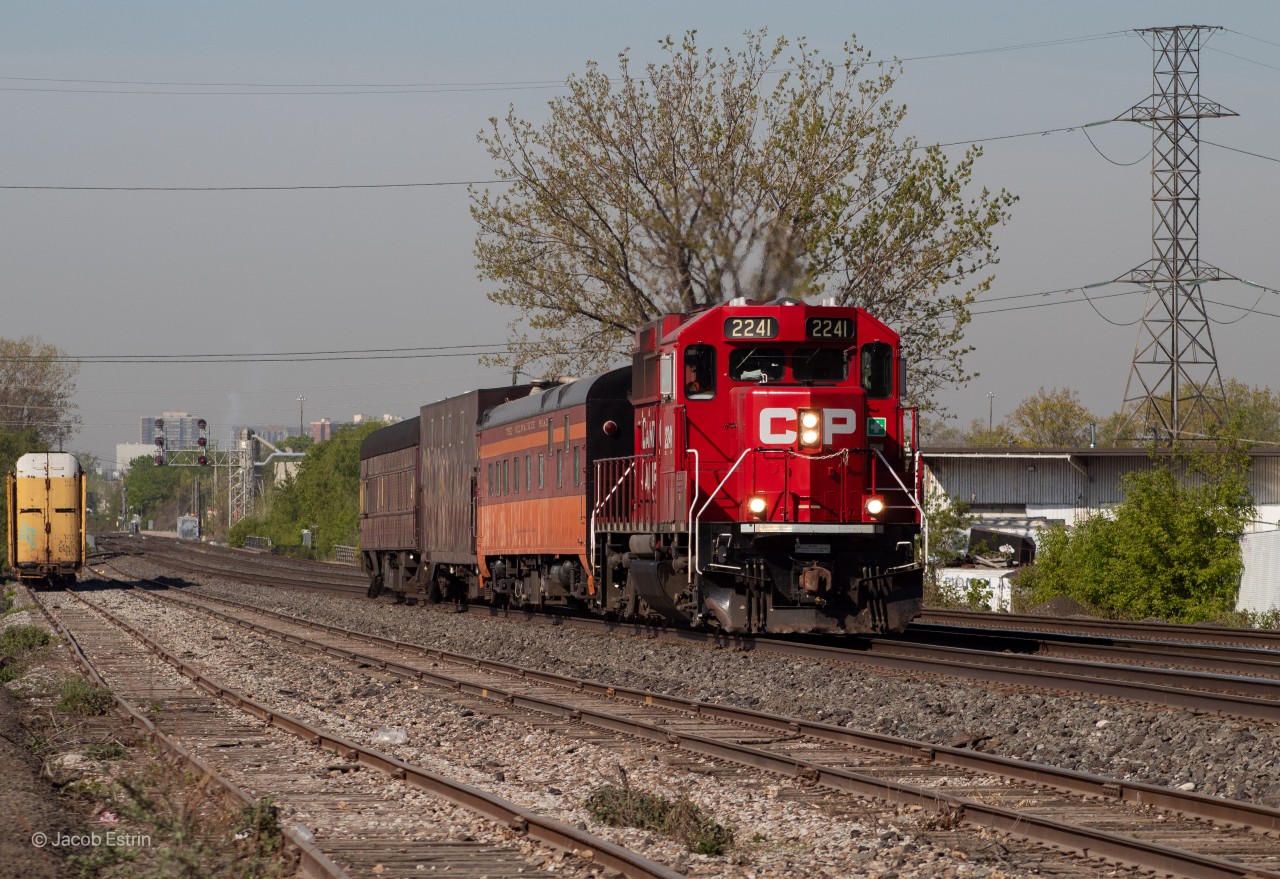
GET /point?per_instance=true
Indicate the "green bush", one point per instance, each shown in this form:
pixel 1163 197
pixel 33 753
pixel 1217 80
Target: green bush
pixel 17 640
pixel 680 819
pixel 1171 549
pixel 78 696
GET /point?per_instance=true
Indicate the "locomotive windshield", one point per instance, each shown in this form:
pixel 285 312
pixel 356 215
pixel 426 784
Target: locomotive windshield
pixel 757 364
pixel 820 365
pixel 769 365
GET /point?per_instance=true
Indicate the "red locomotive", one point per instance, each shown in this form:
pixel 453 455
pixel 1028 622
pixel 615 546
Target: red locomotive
pixel 753 470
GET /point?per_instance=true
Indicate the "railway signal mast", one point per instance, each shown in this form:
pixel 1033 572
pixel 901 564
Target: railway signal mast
pixel 1174 385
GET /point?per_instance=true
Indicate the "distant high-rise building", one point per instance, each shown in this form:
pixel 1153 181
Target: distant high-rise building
pixel 321 431
pixel 180 430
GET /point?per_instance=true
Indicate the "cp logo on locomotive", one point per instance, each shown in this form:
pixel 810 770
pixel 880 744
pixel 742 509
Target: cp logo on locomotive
pixel 779 424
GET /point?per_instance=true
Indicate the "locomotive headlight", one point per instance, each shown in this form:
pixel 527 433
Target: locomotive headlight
pixel 809 421
pixel 756 506
pixel 874 505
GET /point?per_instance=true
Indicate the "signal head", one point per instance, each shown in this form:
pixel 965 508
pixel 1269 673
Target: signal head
pixel 160 442
pixel 202 441
pixel 201 423
pixel 159 460
pixel 203 461
pixel 159 424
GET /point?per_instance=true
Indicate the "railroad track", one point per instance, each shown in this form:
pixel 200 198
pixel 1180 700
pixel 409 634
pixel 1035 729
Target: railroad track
pixel 1157 674
pixel 354 826
pixel 1122 822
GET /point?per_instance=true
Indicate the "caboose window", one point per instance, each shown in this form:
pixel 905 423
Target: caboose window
pixel 700 372
pixel 819 365
pixel 757 364
pixel 877 369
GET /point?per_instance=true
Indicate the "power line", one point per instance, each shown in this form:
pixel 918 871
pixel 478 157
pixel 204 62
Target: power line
pixel 1036 45
pixel 170 87
pixel 254 188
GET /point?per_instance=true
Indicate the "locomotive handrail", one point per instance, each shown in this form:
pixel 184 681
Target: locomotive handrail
pixel 591 552
pixel 924 519
pixel 693 502
pixel 710 498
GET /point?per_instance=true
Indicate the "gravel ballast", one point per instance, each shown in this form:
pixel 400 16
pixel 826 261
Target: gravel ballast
pixel 1220 756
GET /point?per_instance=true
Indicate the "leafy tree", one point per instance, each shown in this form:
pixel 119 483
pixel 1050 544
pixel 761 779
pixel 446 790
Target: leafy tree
pixel 1050 418
pixel 1255 412
pixel 696 181
pixel 37 384
pixel 935 430
pixel 1170 549
pixel 324 495
pixel 147 486
pixel 295 444
pixel 980 434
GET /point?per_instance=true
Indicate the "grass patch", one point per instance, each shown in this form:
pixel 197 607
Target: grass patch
pixel 78 696
pixel 680 819
pixel 17 640
pixel 104 751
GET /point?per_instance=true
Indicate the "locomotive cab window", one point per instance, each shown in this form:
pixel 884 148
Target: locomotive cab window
pixel 820 365
pixel 699 372
pixel 877 369
pixel 757 364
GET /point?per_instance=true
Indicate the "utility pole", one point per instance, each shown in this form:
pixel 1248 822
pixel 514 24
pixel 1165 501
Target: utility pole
pixel 301 400
pixel 991 410
pixel 1174 385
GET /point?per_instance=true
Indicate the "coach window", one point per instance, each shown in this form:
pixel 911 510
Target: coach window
pixel 515 474
pixel 527 484
pixel 819 365
pixel 577 465
pixel 490 479
pixel 542 470
pixel 877 369
pixel 757 365
pixel 566 434
pixel 505 477
pixel 551 436
pixel 559 469
pixel 700 372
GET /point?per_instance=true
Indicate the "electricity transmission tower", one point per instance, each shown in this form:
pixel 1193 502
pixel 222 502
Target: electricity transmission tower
pixel 1174 385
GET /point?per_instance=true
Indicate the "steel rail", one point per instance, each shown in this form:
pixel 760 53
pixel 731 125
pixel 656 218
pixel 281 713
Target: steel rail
pixel 313 862
pixel 1219 658
pixel 1248 697
pixel 1204 634
pixel 1087 841
pixel 519 820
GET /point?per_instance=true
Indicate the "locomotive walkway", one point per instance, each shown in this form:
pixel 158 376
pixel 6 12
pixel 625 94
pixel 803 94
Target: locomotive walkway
pixel 1122 822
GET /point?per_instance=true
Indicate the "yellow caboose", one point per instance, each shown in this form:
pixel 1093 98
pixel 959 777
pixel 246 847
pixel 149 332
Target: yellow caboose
pixel 46 506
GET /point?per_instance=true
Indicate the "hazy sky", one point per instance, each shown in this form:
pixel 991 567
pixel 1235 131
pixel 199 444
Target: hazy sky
pixel 166 273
